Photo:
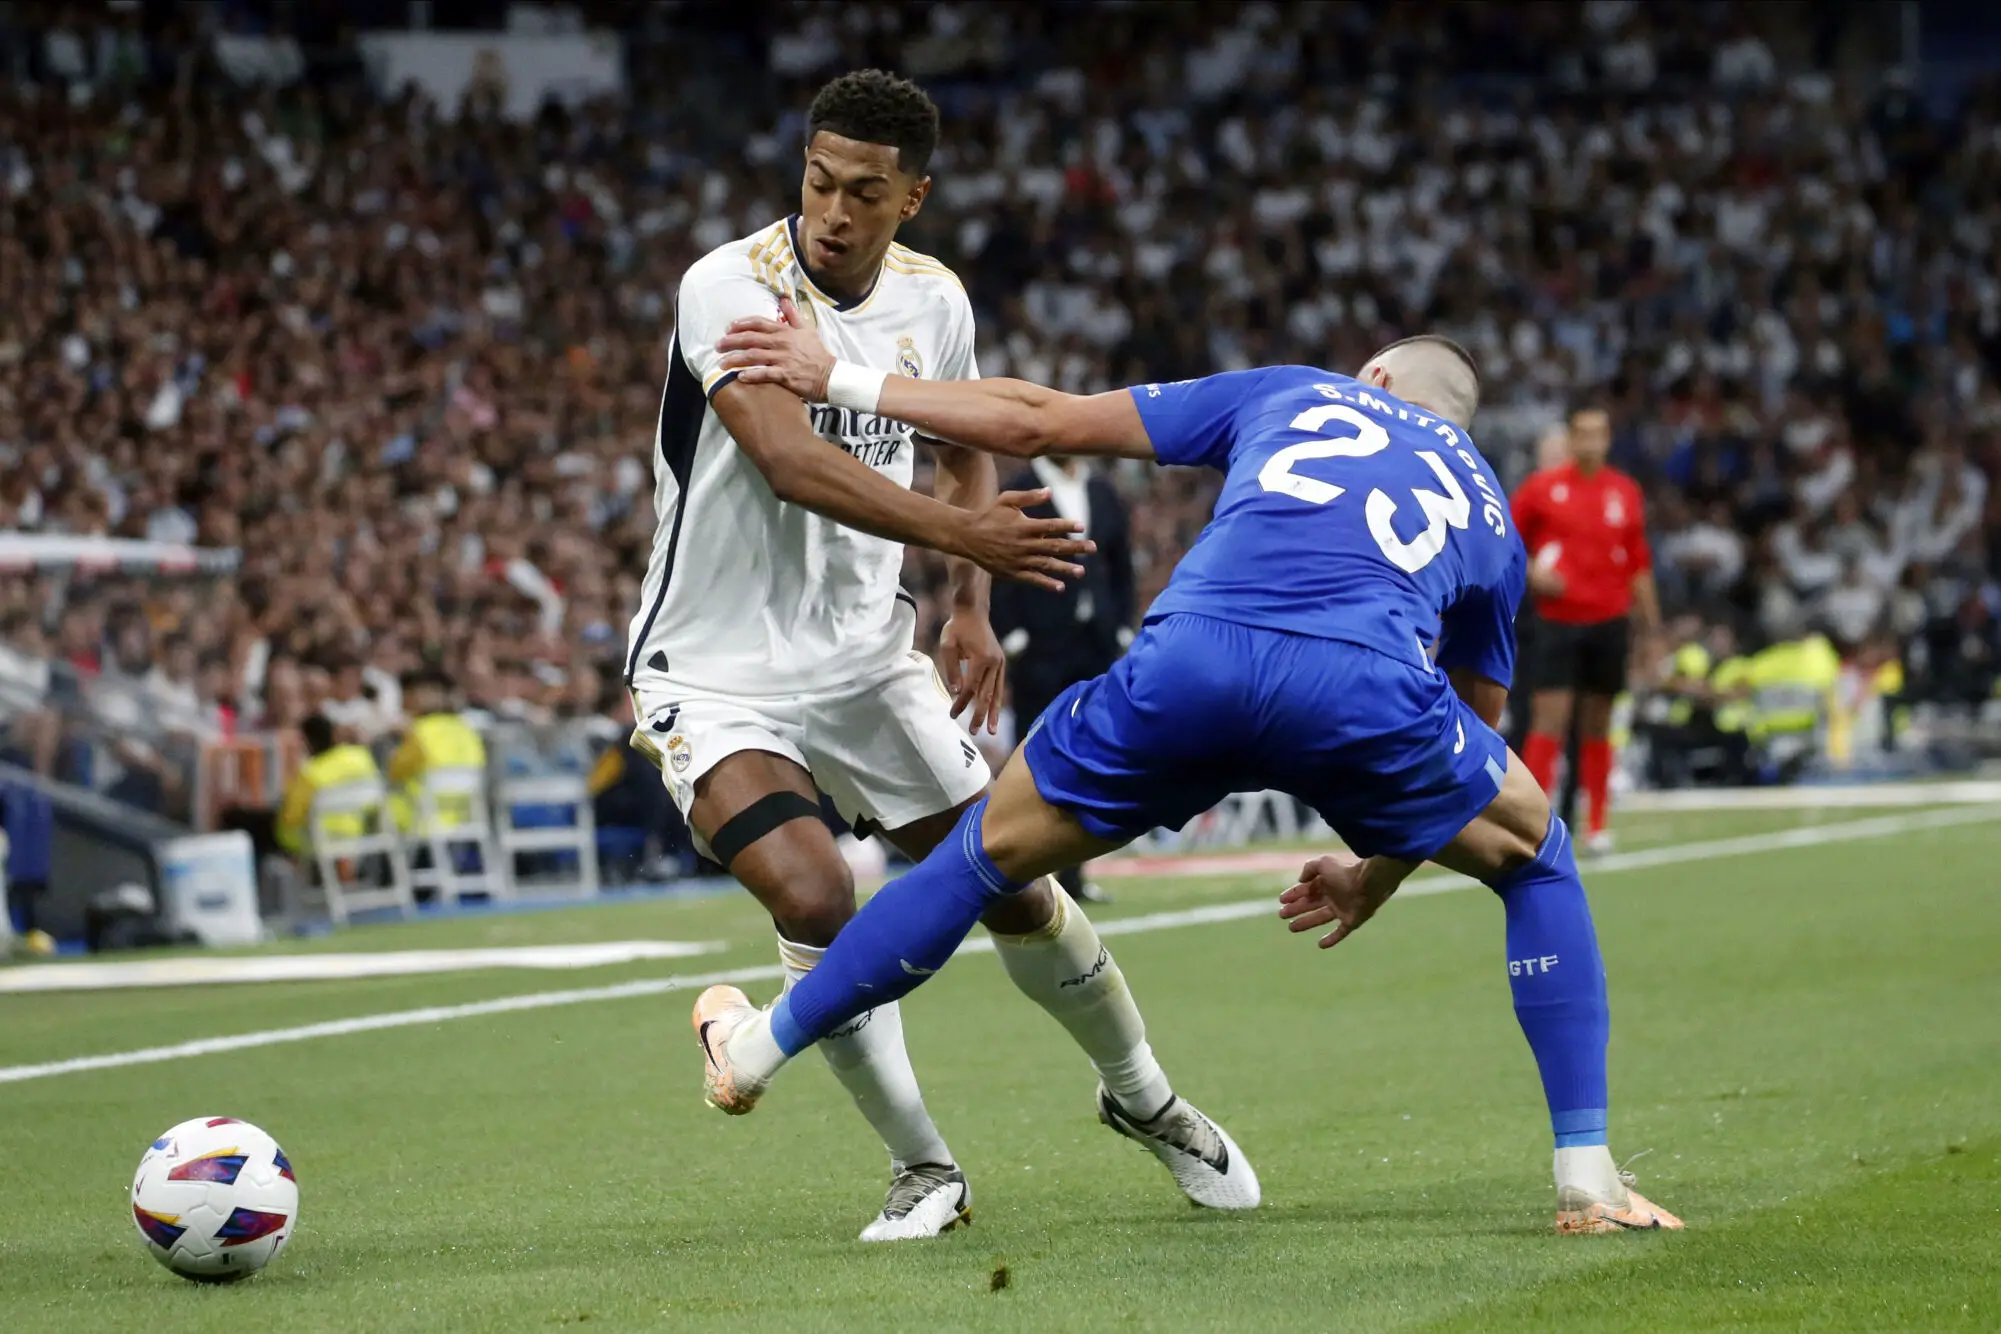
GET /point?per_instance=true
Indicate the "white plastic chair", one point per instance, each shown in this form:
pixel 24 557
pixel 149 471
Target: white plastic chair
pixel 579 836
pixel 367 798
pixel 463 790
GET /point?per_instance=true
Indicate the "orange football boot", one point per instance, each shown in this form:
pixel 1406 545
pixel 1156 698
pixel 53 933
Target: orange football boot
pixel 719 1013
pixel 1580 1215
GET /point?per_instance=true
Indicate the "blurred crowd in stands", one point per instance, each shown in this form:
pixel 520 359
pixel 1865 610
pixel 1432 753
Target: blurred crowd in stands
pixel 407 358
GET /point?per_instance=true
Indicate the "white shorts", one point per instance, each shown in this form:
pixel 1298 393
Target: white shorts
pixel 886 748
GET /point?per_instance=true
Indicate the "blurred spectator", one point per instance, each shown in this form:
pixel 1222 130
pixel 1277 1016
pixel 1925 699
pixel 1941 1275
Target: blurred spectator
pixel 1053 640
pixel 407 358
pixel 629 798
pixel 1696 724
pixel 330 762
pixel 438 737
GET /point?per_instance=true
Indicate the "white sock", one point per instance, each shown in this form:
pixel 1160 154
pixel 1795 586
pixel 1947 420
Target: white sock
pixel 1589 1171
pixel 754 1051
pixel 1066 970
pixel 868 1056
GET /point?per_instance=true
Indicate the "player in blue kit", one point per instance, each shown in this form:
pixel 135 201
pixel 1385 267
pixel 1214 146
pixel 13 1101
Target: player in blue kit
pixel 1343 630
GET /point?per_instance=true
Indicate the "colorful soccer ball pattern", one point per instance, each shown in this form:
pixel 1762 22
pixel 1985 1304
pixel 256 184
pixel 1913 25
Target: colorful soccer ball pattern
pixel 215 1199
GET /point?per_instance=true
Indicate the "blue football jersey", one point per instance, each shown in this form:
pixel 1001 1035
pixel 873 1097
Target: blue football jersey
pixel 1346 514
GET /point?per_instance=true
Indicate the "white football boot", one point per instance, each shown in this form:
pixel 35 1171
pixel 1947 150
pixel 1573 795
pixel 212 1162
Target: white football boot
pixel 1204 1161
pixel 925 1200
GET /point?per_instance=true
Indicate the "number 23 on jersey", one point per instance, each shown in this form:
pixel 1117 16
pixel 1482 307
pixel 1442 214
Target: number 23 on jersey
pixel 1443 511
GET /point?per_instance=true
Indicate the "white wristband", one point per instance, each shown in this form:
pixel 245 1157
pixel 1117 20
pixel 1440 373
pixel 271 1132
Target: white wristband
pixel 856 387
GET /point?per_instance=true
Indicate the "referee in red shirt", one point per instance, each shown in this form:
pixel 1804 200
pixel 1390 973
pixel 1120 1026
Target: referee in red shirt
pixel 1592 579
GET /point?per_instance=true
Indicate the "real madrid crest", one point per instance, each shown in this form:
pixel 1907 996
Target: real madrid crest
pixel 907 360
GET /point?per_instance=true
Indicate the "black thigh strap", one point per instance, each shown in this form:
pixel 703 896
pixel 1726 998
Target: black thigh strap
pixel 758 819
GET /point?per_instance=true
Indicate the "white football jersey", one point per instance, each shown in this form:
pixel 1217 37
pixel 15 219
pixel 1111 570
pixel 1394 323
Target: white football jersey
pixel 747 595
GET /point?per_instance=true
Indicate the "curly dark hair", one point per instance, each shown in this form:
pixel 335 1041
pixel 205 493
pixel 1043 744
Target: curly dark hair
pixel 876 107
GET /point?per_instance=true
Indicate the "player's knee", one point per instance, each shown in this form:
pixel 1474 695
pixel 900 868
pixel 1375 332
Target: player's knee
pixel 809 901
pixel 1521 822
pixel 1018 829
pixel 815 914
pixel 1516 851
pixel 1021 913
pixel 1505 836
pixel 1011 848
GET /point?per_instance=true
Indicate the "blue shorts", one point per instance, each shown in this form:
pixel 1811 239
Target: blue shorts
pixel 1384 750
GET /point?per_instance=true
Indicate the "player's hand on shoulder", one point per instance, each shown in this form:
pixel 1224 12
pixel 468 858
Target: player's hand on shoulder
pixel 786 352
pixel 975 668
pixel 1334 889
pixel 1002 540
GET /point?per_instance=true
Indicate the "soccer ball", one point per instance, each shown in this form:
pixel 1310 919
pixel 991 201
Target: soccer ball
pixel 215 1199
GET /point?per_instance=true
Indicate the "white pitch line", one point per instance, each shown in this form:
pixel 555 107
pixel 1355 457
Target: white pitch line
pixel 434 1014
pixel 1815 797
pixel 1811 836
pixel 211 969
pixel 1267 861
pixel 1444 882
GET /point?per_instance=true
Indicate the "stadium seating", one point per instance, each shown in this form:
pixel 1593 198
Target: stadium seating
pixel 359 858
pixel 547 819
pixel 417 398
pixel 460 856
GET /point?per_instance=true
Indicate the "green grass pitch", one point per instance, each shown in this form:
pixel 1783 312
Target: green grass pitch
pixel 1806 1043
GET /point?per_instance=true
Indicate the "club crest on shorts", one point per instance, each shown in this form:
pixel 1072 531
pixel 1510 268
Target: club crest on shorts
pixel 678 753
pixel 907 360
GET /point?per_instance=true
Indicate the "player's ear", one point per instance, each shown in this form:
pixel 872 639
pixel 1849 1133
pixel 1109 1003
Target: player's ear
pixel 1378 375
pixel 915 199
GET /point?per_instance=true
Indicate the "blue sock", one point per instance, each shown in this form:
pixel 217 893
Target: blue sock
pixel 900 937
pixel 1558 980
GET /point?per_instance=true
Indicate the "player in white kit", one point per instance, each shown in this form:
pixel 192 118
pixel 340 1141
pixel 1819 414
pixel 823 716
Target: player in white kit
pixel 772 652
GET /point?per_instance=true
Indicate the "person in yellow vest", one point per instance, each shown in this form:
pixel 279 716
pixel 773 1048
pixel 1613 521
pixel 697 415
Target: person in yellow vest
pixel 1696 740
pixel 1730 686
pixel 330 761
pixel 1790 684
pixel 437 738
pixel 1792 687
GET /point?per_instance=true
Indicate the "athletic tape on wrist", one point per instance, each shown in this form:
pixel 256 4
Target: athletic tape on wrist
pixel 856 387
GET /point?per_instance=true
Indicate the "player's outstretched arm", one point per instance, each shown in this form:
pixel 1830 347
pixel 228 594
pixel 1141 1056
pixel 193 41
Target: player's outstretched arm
pixel 1011 417
pixel 1017 418
pixel 770 427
